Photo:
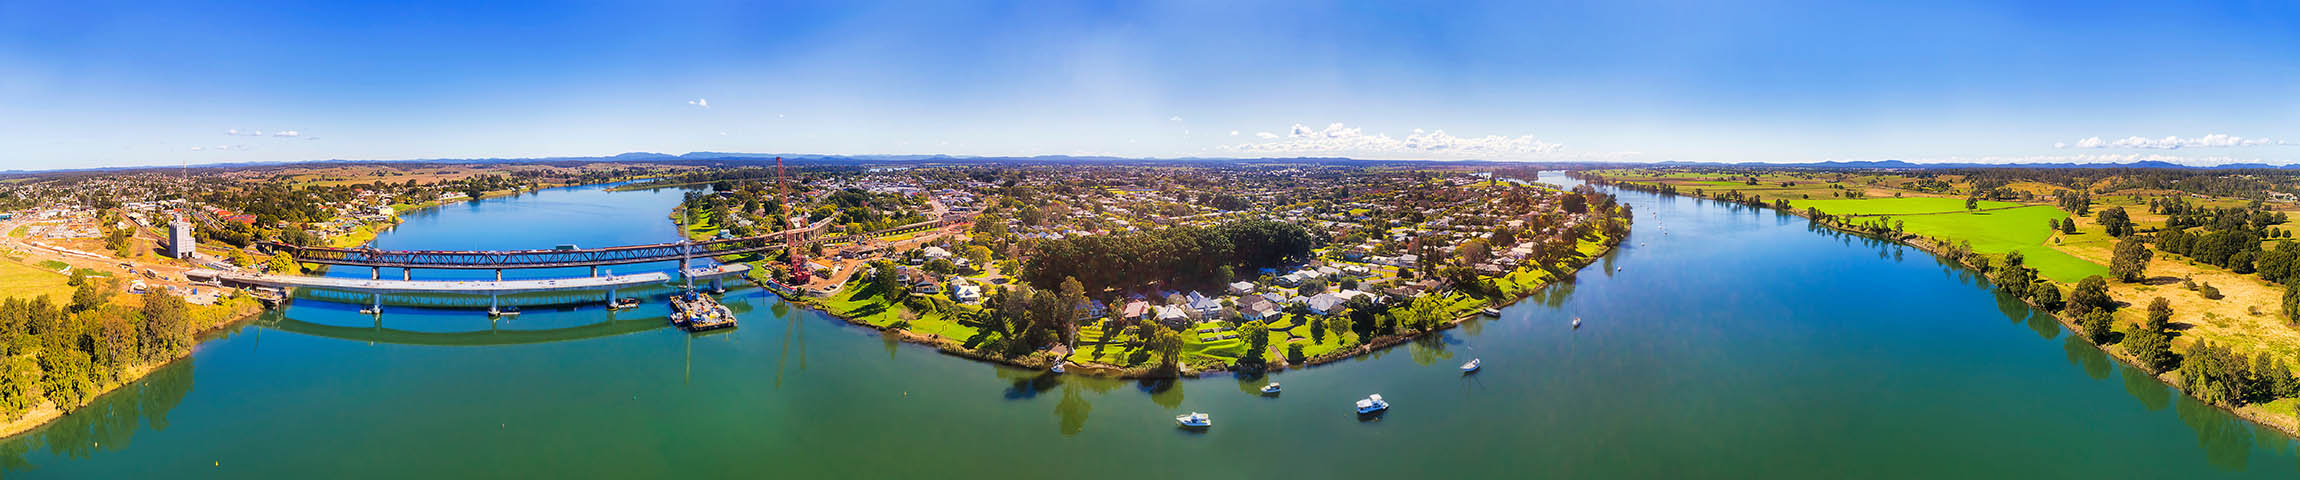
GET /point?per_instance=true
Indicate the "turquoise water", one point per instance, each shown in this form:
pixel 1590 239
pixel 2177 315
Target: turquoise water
pixel 1738 344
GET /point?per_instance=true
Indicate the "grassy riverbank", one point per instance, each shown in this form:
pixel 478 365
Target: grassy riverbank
pixel 2228 317
pixel 1124 351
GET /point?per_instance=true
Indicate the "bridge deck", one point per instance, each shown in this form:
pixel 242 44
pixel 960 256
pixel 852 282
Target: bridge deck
pixel 476 286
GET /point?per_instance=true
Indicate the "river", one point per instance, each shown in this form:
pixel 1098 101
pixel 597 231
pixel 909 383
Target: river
pixel 1718 341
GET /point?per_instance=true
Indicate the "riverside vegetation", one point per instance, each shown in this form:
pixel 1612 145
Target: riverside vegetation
pixel 2206 252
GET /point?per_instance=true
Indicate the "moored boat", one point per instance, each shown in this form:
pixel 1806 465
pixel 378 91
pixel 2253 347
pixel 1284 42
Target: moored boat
pixel 1271 389
pixel 1490 312
pixel 1473 365
pixel 1194 420
pixel 1372 404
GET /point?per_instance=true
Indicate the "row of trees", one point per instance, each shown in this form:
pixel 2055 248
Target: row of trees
pixel 66 353
pixel 1181 256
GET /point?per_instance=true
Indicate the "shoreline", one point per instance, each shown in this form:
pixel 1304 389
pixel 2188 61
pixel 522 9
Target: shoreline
pixel 2287 425
pixel 951 347
pixel 47 412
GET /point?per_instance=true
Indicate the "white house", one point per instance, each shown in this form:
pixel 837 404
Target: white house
pixel 966 293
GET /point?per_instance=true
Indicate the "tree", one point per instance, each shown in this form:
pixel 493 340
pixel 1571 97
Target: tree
pixel 1311 287
pixel 87 296
pixel 1973 202
pixel 2116 221
pixel 284 264
pixel 2090 294
pixel 167 328
pixel 1166 344
pixel 978 255
pixel 2047 295
pixel 2292 302
pixel 2151 348
pixel 1335 325
pixel 2096 326
pixel 2130 260
pixel 1257 337
pixel 2159 315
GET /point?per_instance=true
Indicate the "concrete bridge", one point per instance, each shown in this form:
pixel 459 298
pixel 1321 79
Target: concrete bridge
pixel 499 260
pixel 494 290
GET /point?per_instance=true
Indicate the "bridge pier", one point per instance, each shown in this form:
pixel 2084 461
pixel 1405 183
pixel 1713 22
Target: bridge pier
pixel 594 271
pixel 498 274
pixel 374 273
pixel 375 301
pixel 407 273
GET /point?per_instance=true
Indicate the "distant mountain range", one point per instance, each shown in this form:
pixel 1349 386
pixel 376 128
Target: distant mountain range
pixel 747 158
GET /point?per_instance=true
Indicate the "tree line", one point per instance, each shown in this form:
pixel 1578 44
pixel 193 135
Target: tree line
pixel 66 353
pixel 1178 256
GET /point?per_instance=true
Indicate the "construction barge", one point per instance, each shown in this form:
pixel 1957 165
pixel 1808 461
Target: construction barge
pixel 695 312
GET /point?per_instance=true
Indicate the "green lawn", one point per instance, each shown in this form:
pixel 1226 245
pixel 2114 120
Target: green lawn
pixel 1894 206
pixel 2005 231
pixel 858 303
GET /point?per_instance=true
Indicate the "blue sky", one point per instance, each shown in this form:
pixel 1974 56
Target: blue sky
pixel 109 84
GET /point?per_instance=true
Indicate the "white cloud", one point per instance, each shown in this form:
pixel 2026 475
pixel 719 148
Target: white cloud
pixel 1342 139
pixel 2076 158
pixel 2169 143
pixel 699 102
pixel 195 149
pixel 1233 133
pixel 287 133
pixel 1175 118
pixel 243 133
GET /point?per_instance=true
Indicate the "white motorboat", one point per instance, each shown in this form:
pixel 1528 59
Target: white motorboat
pixel 1491 312
pixel 1057 368
pixel 1372 404
pixel 1194 420
pixel 1577 322
pixel 1472 366
pixel 369 311
pixel 1271 389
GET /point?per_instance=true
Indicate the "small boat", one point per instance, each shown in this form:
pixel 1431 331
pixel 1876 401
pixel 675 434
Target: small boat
pixel 1271 389
pixel 1372 404
pixel 623 303
pixel 369 311
pixel 1577 322
pixel 1057 368
pixel 1472 366
pixel 1491 312
pixel 503 312
pixel 1194 420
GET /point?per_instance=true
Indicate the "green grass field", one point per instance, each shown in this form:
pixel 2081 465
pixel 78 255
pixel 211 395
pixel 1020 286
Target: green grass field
pixel 2005 231
pixel 855 302
pixel 1895 206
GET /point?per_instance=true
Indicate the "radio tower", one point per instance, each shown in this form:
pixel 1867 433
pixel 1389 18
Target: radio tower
pixel 791 224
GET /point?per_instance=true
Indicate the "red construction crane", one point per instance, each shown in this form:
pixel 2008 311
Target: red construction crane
pixel 791 224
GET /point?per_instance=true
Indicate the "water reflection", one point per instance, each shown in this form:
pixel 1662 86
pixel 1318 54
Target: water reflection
pixel 2087 357
pixel 1429 349
pixel 2227 440
pixel 110 423
pixel 2153 395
